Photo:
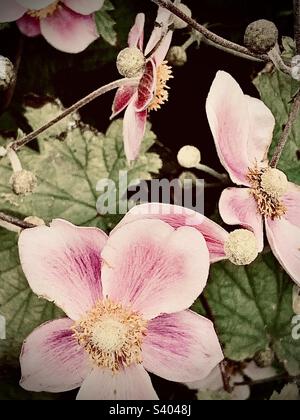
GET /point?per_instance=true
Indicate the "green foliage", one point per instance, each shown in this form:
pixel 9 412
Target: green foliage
pixel 105 23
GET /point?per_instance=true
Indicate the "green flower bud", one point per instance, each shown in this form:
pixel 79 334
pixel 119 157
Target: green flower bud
pixel 261 36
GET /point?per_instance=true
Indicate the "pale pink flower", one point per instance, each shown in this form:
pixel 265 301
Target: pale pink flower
pixel 67 25
pixel 151 92
pixel 243 129
pixel 126 299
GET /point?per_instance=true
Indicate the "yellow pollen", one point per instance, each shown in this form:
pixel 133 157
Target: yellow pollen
pixel 45 12
pixel 164 74
pixel 112 335
pixel 267 188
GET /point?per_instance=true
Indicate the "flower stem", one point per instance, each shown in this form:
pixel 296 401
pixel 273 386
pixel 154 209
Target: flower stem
pixel 16 145
pixel 210 171
pixel 15 222
pixel 286 132
pixel 216 39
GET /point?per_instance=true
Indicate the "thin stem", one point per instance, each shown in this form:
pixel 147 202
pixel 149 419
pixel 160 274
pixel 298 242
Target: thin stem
pixel 297 24
pixel 216 39
pixel 210 171
pixel 275 57
pixel 286 132
pixel 16 145
pixel 14 160
pixel 16 222
pixel 230 51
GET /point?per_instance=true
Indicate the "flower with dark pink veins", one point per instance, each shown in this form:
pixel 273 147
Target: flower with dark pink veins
pixel 67 25
pixel 125 298
pixel 152 90
pixel 243 130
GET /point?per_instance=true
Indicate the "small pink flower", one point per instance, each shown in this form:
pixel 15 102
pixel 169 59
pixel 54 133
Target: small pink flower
pixel 126 298
pixel 67 25
pixel 151 91
pixel 243 130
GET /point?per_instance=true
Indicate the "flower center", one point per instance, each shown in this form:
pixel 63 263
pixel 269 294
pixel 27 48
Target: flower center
pixel 111 335
pixel 161 95
pixel 268 187
pixel 241 247
pixel 45 12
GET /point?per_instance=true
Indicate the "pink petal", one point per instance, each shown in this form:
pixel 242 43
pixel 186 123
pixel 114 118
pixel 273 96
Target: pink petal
pixel 10 11
pixel 284 239
pixel 134 127
pixel 238 207
pixel 176 216
pixel 136 35
pixel 212 382
pixel 122 99
pixel 292 202
pixel 229 119
pixel 68 31
pixel 161 52
pixel 153 268
pixel 34 4
pixel 161 27
pixel 29 26
pixel 181 347
pixel 51 360
pixel 84 7
pixel 132 383
pixel 62 263
pixel 146 87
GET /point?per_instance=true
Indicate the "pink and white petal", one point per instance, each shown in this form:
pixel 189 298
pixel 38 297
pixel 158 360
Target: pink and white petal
pixel 134 128
pixel 262 124
pixel 238 207
pixel 10 11
pixel 177 216
pixel 51 359
pixel 62 263
pixel 161 52
pixel 132 383
pixel 284 240
pixel 181 347
pixel 68 31
pixel 34 4
pixel 212 382
pixel 161 26
pixel 29 26
pixel 292 202
pixel 153 268
pixel 228 116
pixel 84 7
pixel 146 87
pixel 122 99
pixel 136 34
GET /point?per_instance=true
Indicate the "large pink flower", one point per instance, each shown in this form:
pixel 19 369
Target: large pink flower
pixel 243 129
pixel 152 91
pixel 126 298
pixel 67 25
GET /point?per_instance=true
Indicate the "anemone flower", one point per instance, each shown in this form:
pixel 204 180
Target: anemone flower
pixel 152 90
pixel 242 128
pixel 126 300
pixel 67 25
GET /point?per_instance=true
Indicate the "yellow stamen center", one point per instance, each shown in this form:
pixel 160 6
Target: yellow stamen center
pixel 164 73
pixel 45 12
pixel 112 335
pixel 268 187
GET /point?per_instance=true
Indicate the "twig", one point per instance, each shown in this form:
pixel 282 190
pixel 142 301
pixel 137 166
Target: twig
pixel 16 222
pixel 16 145
pixel 216 39
pixel 297 24
pixel 286 132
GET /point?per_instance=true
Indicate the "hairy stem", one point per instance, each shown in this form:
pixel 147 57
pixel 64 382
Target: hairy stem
pixel 16 222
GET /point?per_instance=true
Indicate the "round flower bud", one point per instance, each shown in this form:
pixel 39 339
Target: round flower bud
pixel 7 73
pixel 23 182
pixel 179 23
pixel 241 247
pixel 35 221
pixel 274 182
pixel 261 36
pixel 264 358
pixel 177 56
pixel 189 157
pixel 131 62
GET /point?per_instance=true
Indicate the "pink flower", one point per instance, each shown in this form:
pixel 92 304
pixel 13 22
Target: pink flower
pixel 67 25
pixel 151 91
pixel 243 129
pixel 126 299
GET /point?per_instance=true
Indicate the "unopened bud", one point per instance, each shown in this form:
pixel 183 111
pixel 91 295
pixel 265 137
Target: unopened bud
pixel 179 23
pixel 7 73
pixel 131 62
pixel 177 56
pixel 261 36
pixel 23 182
pixel 241 247
pixel 189 157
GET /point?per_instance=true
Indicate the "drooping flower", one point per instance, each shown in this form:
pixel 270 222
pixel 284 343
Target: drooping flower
pixel 126 299
pixel 152 91
pixel 67 25
pixel 242 127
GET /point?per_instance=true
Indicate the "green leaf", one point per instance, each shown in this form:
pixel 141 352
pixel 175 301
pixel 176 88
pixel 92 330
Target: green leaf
pixel 289 47
pixel 277 91
pixel 252 307
pixel 105 23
